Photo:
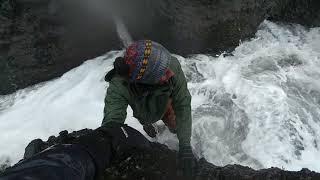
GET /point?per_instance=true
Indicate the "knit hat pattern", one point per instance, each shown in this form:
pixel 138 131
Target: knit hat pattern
pixel 148 61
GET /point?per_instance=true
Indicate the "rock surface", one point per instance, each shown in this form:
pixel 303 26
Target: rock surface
pixel 159 163
pixel 305 12
pixel 4 164
pixel 42 39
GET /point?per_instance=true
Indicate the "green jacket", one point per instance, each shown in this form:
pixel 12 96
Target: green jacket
pixel 150 107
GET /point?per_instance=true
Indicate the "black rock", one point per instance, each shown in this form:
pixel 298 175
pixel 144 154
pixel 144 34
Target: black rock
pixel 34 147
pixel 4 165
pixel 160 164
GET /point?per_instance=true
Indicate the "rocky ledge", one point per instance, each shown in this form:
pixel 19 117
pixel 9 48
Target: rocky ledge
pixel 159 163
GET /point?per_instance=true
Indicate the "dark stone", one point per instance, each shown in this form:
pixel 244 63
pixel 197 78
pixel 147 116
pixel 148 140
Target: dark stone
pixel 160 163
pixel 42 39
pixel 4 165
pixel 33 148
pixel 304 12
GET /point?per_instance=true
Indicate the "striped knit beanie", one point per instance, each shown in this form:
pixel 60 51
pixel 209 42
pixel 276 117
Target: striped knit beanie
pixel 148 62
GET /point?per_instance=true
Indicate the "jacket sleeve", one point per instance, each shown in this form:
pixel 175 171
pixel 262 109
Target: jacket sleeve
pixel 116 102
pixel 182 105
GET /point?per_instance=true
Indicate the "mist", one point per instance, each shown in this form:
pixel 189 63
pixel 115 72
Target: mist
pixel 97 17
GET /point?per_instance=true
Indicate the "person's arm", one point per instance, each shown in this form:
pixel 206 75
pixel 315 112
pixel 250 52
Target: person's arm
pixel 84 158
pixel 181 105
pixel 116 102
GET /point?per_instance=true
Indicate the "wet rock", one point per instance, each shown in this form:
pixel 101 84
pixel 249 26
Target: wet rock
pixel 304 12
pixel 34 147
pixel 41 40
pixel 4 164
pixel 160 163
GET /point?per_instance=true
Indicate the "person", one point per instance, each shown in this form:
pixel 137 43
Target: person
pixel 84 158
pixel 151 81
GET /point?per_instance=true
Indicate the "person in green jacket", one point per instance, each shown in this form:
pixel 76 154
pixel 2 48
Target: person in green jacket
pixel 151 81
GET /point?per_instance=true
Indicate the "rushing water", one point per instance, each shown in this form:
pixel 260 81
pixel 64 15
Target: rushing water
pixel 259 107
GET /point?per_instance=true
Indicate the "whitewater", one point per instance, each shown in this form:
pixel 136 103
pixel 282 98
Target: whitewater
pixel 258 107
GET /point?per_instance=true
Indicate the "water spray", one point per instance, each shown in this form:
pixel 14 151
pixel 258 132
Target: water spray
pixel 123 32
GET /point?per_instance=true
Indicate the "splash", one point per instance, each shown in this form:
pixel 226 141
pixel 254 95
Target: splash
pixel 123 32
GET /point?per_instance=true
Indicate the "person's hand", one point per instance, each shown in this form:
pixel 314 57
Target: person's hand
pixel 121 67
pixel 187 161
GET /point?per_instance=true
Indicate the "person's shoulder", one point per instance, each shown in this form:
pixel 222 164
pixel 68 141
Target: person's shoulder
pixel 116 80
pixel 113 77
pixel 118 85
pixel 119 81
pixel 175 65
pixel 174 61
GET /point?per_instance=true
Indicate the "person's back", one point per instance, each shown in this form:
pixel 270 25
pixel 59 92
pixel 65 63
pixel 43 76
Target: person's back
pixel 152 82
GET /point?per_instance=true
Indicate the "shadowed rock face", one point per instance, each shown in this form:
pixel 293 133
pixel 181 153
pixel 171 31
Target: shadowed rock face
pixel 296 11
pixel 42 39
pixel 159 163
